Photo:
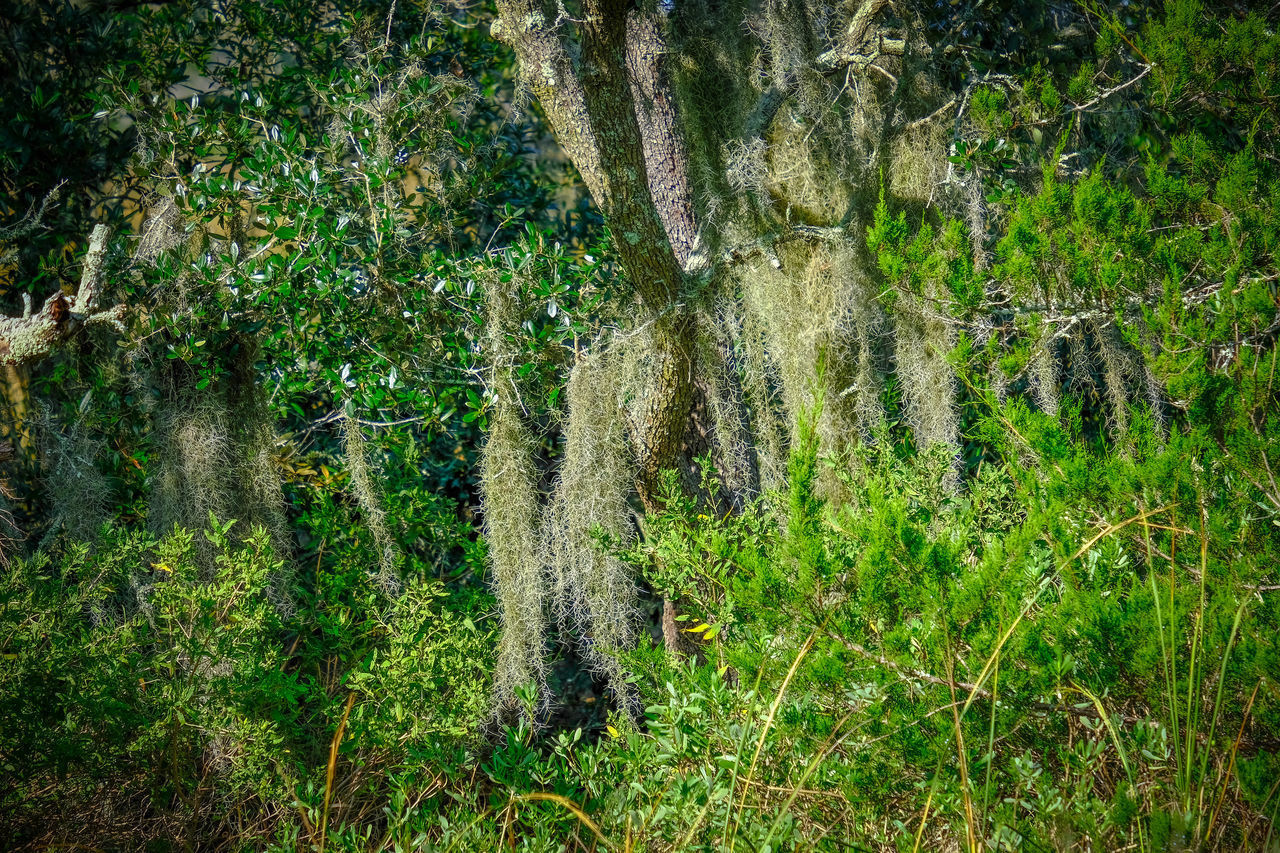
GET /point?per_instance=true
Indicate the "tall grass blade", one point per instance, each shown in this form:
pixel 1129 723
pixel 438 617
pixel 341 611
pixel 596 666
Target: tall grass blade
pixel 768 724
pixel 569 806
pixel 333 764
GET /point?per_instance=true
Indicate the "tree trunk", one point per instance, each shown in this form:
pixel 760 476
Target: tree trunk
pixel 613 94
pixel 615 115
pixel 596 108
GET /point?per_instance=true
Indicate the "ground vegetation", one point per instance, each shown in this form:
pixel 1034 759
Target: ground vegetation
pixel 689 425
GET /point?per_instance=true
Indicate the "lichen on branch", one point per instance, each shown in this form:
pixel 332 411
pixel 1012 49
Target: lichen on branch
pixel 34 335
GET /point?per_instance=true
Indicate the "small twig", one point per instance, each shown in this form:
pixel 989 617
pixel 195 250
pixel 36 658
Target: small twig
pixel 1109 92
pixel 931 116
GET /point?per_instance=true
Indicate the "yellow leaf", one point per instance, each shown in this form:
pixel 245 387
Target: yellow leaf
pixel 612 732
pixel 162 567
pixel 697 629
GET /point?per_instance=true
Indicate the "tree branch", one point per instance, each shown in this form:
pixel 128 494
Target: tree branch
pixel 1102 96
pixel 853 50
pixel 33 336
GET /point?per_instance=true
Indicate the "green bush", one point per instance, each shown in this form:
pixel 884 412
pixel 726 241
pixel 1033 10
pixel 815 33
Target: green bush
pixel 199 702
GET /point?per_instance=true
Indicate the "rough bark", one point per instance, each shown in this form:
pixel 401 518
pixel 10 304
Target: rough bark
pixel 592 106
pixel 666 152
pixel 33 336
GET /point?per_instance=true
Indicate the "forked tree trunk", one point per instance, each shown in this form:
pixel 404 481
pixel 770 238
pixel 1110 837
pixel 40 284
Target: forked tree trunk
pixel 592 106
pixel 604 76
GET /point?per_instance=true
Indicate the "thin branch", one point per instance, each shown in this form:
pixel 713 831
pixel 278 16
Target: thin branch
pixel 1109 92
pixel 920 122
pixel 33 219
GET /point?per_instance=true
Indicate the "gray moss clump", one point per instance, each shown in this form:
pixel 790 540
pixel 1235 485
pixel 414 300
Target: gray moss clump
pixel 1122 371
pixel 215 452
pixel 78 491
pixel 762 393
pixel 369 499
pixel 1044 375
pixel 512 516
pixel 587 517
pixel 734 424
pixel 813 327
pixel 508 488
pixel 195 460
pixel 922 341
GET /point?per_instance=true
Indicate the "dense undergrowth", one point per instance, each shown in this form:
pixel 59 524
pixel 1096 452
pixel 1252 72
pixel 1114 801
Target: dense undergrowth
pixel 1077 652
pixel 338 545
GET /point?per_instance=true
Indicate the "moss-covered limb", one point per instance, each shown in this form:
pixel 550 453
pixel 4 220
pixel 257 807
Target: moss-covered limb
pixel 33 336
pixel 859 46
pixel 86 298
pixel 647 254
